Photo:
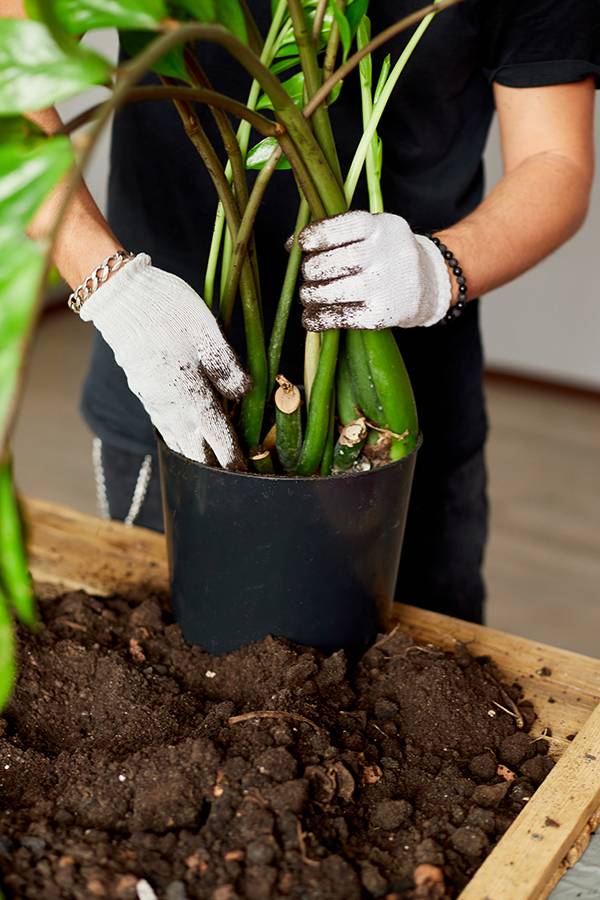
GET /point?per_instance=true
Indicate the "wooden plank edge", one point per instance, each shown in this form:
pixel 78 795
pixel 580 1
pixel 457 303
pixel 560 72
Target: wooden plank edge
pixel 574 854
pixel 528 857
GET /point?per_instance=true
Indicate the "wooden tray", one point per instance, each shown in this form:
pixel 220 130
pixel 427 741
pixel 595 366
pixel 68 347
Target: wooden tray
pixel 81 552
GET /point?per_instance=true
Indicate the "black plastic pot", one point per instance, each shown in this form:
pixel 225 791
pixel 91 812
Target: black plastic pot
pixel 314 560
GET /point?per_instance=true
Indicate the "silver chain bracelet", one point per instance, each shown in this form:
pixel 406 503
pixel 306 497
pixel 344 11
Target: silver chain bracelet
pixel 97 278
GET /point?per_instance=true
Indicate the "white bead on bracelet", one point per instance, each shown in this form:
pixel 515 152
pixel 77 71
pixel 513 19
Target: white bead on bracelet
pixel 97 278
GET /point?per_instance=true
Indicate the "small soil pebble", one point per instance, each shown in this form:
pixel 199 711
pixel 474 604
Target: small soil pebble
pixel 490 795
pixel 470 841
pixel 482 818
pixel 483 766
pixel 537 768
pixel 515 748
pixel 390 814
pixel 134 765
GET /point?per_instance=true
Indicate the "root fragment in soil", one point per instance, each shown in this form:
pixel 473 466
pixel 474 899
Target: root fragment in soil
pixel 122 763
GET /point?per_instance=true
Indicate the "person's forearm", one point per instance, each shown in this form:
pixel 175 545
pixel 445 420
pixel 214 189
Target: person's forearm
pixel 84 238
pixel 534 209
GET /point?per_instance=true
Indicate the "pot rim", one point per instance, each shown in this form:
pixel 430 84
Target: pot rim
pixel 287 479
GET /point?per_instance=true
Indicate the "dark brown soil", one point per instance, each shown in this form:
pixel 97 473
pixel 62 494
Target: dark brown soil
pixel 132 765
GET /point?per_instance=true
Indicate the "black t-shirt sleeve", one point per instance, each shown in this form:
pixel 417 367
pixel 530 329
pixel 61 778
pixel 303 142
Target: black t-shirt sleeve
pixel 534 43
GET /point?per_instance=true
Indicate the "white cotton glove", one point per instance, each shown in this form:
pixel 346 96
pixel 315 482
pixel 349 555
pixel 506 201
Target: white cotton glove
pixel 175 358
pixel 366 270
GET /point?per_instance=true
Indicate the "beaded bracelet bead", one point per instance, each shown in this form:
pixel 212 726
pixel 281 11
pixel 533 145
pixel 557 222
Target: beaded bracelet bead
pixel 459 307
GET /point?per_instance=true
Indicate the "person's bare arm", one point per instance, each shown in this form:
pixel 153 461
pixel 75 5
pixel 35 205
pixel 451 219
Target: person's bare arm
pixel 542 199
pixel 85 238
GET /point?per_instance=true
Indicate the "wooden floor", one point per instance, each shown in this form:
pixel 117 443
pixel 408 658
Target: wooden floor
pixel 543 563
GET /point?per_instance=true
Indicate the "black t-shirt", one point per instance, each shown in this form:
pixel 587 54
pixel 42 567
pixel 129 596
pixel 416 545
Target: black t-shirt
pixel 434 132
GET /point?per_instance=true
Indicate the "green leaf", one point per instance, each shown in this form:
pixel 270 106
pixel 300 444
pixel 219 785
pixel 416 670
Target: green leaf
pixel 35 72
pixel 29 169
pixel 21 263
pixel 78 16
pixel 228 13
pixel 14 572
pixel 288 45
pixel 343 26
pixel 383 77
pixel 284 64
pixel 261 153
pixel 8 668
pixel 294 86
pixel 354 14
pixel 172 64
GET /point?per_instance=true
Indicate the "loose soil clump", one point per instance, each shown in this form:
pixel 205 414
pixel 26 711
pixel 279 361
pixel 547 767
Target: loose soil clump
pixel 133 765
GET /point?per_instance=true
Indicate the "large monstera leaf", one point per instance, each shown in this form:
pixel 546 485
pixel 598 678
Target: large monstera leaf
pixel 36 72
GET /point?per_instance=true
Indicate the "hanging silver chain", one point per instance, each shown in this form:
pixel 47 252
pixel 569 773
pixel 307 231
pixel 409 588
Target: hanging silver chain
pixel 139 492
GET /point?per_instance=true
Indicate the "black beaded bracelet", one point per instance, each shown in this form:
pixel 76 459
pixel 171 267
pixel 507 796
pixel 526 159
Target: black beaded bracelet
pixel 459 307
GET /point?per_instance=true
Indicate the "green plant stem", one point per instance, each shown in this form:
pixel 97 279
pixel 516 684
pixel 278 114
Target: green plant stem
pixel 318 20
pixel 327 461
pixel 284 107
pixel 307 185
pixel 332 46
pixel 243 136
pixel 245 231
pixel 320 353
pixel 228 135
pixel 236 161
pixel 320 97
pixel 312 349
pixel 212 263
pixel 318 417
pixel 387 34
pixel 312 82
pixel 366 143
pixel 287 294
pixel 255 120
pixel 244 236
pixel 208 155
pixel 254 401
pixel 255 39
pixel 366 92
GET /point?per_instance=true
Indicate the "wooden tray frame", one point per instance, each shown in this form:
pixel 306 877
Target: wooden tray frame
pixel 81 552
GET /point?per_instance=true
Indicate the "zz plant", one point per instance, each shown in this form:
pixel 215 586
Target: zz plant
pixel 357 388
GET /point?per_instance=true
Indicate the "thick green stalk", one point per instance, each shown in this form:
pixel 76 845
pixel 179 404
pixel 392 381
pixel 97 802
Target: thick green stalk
pixel 287 295
pixel 249 117
pixel 243 136
pixel 312 349
pixel 320 376
pixel 366 86
pixel 210 275
pixel 327 461
pixel 228 136
pixel 378 350
pixel 244 236
pixel 318 413
pixel 347 404
pixel 253 403
pixel 255 38
pixel 312 82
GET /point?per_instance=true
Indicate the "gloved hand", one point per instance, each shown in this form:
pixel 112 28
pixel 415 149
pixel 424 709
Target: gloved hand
pixel 175 358
pixel 371 271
